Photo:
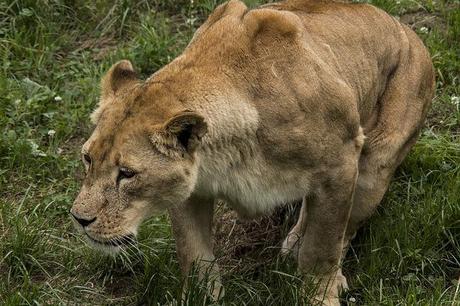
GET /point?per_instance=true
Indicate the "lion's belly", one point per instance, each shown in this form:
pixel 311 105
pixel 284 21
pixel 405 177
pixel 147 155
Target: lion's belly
pixel 251 188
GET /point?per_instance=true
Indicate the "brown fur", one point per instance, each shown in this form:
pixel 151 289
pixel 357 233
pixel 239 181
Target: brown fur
pixel 264 107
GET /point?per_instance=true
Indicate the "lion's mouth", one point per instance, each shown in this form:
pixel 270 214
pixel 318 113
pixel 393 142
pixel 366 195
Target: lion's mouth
pixel 114 242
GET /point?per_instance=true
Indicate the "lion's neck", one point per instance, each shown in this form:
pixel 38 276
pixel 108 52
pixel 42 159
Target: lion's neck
pixel 232 165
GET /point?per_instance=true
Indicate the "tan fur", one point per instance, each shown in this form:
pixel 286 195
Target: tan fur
pixel 301 99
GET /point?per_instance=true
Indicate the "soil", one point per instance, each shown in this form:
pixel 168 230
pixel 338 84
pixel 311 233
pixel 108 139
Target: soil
pixel 423 19
pixel 241 243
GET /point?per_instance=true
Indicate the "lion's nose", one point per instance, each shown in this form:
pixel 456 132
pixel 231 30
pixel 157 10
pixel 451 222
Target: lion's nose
pixel 83 222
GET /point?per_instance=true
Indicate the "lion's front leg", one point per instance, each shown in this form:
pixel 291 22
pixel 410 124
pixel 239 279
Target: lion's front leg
pixel 326 219
pixel 192 229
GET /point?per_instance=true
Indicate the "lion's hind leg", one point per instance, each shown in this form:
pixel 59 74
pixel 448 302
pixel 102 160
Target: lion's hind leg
pixel 291 243
pixel 400 115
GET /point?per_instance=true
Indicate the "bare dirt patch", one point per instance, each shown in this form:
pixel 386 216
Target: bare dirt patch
pixel 423 19
pixel 241 243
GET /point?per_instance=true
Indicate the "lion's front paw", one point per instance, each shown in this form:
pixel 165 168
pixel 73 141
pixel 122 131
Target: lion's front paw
pixel 329 289
pixel 216 290
pixel 326 301
pixel 341 282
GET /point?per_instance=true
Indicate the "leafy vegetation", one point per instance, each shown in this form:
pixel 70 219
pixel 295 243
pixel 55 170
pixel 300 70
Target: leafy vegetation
pixel 53 54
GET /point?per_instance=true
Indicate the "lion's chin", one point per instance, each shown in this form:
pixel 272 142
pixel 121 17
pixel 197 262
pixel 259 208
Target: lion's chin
pixel 112 246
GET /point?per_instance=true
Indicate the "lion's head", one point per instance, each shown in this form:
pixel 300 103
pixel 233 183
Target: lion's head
pixel 139 160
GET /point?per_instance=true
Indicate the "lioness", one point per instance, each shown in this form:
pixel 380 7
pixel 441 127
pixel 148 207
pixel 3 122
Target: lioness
pixel 302 99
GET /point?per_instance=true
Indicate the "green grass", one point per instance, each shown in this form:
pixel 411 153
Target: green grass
pixel 53 54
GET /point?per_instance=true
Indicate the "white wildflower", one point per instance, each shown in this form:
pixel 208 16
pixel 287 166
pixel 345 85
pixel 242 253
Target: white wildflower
pixel 57 99
pixel 424 30
pixel 455 100
pixel 51 133
pixel 352 299
pixel 35 150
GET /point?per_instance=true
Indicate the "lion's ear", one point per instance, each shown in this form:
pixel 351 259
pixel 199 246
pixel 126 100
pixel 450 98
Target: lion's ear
pixel 181 133
pixel 272 22
pixel 119 75
pixel 188 128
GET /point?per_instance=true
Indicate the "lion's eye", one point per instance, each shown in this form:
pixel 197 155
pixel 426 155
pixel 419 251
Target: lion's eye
pixel 125 173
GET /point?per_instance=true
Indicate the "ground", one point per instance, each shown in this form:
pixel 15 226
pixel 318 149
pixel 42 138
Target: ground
pixel 53 54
